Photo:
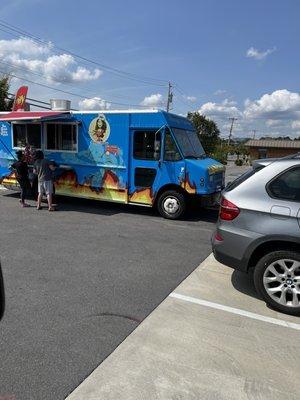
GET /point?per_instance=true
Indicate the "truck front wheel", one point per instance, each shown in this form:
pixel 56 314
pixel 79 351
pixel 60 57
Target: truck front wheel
pixel 171 204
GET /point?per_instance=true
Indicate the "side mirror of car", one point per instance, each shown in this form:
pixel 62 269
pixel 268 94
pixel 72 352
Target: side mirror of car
pixel 2 296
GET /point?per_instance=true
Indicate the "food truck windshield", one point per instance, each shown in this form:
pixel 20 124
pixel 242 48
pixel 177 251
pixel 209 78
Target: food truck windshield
pixel 189 143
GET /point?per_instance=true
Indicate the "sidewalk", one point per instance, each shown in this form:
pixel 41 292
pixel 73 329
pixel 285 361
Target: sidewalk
pixel 212 338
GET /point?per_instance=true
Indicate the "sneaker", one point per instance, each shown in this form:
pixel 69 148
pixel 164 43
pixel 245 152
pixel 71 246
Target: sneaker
pixel 25 205
pixel 39 208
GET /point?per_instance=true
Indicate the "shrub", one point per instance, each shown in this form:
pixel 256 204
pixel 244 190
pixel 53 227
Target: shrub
pixel 220 155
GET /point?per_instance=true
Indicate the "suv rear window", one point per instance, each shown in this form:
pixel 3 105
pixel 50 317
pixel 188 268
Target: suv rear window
pixel 246 175
pixel 286 186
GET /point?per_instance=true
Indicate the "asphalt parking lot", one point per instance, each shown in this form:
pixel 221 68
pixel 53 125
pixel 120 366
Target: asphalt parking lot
pixel 79 281
pixel 212 338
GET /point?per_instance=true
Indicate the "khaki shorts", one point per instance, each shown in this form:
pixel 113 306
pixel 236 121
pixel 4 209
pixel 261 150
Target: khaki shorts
pixel 45 187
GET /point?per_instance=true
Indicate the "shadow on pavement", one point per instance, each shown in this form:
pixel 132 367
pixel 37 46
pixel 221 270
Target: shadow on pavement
pixel 66 204
pixel 244 283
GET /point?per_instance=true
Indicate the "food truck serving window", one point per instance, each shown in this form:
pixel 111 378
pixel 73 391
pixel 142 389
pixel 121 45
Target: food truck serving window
pixel 24 134
pixel 61 136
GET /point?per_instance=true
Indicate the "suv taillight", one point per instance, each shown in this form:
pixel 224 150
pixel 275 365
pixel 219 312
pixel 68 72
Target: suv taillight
pixel 228 210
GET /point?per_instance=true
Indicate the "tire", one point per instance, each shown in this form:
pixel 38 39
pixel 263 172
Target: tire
pixel 277 280
pixel 171 204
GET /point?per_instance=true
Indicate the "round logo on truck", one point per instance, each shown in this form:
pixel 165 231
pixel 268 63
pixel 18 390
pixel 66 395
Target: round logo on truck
pixel 99 129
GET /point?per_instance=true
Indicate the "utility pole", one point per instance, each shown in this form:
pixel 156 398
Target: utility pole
pixel 170 97
pixel 232 119
pixel 254 133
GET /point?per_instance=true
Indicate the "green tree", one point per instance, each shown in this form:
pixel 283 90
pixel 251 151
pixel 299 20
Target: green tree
pixel 5 103
pixel 207 130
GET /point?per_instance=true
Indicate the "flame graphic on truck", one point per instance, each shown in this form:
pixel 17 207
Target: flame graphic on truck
pixel 142 196
pixel 188 185
pixel 110 190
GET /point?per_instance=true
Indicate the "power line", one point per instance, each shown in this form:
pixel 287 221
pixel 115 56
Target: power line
pixel 28 98
pixel 30 71
pixel 55 89
pixel 12 96
pixel 183 98
pixel 67 92
pixel 16 32
pixel 179 89
pixel 124 74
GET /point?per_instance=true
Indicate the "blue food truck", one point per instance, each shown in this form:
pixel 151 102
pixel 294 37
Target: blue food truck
pixel 149 158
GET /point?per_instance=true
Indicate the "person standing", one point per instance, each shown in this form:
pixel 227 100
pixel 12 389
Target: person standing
pixel 22 176
pixel 42 167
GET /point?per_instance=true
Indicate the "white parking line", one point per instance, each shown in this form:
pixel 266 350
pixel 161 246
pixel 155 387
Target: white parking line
pixel 237 311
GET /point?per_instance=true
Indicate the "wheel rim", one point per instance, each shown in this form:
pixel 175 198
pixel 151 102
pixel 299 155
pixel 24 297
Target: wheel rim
pixel 171 205
pixel 281 281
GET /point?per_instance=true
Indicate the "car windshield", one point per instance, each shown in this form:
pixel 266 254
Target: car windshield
pixel 189 143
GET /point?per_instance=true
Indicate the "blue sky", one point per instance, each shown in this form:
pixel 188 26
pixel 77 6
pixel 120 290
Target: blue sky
pixel 200 46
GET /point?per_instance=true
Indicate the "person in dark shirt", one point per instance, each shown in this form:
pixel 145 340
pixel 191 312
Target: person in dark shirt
pixel 22 176
pixel 43 168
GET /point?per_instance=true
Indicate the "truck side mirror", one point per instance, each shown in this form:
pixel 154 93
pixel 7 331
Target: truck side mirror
pixel 2 296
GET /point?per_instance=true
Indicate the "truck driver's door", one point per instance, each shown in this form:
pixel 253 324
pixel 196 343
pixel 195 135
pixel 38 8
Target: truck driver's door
pixel 146 145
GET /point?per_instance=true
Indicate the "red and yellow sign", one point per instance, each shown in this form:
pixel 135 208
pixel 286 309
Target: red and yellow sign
pixel 20 99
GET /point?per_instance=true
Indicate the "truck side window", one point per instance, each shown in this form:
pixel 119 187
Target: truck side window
pixel 26 134
pixel 146 145
pixel 286 186
pixel 171 152
pixel 61 137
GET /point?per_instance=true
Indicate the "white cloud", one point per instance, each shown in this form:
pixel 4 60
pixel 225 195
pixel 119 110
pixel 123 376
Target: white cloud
pixel 192 99
pixel 296 125
pixel 273 122
pixel 226 108
pixel 95 103
pixel 24 46
pixel 19 55
pixel 279 105
pixel 259 55
pixel 277 113
pixel 154 100
pixel 219 92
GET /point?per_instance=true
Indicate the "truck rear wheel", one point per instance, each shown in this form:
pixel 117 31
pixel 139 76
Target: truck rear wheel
pixel 171 204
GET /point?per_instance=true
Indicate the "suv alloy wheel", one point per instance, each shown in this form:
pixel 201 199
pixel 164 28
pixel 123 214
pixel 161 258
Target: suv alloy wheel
pixel 277 279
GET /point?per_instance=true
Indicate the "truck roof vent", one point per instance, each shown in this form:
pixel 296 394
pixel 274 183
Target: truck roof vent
pixel 60 105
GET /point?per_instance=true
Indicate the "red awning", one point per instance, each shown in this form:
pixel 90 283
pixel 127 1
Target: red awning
pixel 32 115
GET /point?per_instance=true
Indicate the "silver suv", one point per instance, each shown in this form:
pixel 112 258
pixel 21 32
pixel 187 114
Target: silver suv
pixel 259 227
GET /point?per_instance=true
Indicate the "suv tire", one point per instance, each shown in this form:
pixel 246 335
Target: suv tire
pixel 277 280
pixel 171 204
